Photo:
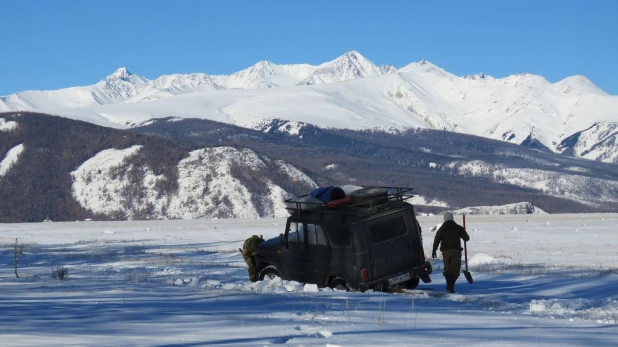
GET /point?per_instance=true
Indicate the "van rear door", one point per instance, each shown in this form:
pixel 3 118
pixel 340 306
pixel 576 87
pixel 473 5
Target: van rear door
pixel 390 246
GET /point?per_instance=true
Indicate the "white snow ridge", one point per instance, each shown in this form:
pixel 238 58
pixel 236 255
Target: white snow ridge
pixel 10 159
pixel 516 208
pixel 7 126
pixel 206 189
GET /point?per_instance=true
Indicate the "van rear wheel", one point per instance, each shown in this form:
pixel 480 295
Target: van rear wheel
pixel 339 283
pixel 269 273
pixel 411 284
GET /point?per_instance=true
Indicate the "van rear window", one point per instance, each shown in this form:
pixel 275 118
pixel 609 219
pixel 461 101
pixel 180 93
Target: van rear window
pixel 388 229
pixel 339 235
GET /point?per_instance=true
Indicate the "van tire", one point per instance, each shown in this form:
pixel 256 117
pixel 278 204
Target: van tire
pixel 338 283
pixel 377 196
pixel 269 272
pixel 411 284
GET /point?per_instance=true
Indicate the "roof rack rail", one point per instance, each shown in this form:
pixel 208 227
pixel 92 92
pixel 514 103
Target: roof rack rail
pixel 394 194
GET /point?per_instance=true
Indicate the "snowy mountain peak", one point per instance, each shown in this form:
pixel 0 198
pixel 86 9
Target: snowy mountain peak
pixel 121 73
pixel 263 67
pixel 353 57
pixel 425 66
pixel 524 80
pixel 349 66
pixel 578 84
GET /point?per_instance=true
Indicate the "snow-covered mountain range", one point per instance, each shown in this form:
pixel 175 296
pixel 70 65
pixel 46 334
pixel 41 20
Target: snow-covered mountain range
pixel 516 208
pixel 571 116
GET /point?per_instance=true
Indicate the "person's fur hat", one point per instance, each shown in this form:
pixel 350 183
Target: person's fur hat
pixel 448 216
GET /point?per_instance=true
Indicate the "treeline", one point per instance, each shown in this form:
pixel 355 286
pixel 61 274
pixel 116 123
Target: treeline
pixel 415 158
pixel 39 185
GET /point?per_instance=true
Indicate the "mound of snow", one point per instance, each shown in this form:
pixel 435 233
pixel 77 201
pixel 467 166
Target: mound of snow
pixel 311 288
pixel 421 200
pixel 482 258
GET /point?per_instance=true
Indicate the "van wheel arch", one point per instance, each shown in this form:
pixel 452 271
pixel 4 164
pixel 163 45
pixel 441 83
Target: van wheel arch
pixel 412 283
pixel 338 283
pixel 269 272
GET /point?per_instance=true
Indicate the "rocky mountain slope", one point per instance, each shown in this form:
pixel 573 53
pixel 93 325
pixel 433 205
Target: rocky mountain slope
pixel 60 169
pixel 571 116
pixel 447 170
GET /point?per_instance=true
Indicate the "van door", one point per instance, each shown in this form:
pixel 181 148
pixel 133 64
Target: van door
pixel 318 255
pixel 390 246
pixel 294 256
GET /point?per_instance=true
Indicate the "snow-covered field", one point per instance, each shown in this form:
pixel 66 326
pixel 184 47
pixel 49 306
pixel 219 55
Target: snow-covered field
pixel 538 280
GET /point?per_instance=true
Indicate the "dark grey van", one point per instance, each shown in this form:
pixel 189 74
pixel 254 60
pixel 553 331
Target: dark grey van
pixel 369 239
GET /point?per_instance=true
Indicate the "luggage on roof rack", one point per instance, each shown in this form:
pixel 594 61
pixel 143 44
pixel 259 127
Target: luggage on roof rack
pixel 358 200
pixel 326 194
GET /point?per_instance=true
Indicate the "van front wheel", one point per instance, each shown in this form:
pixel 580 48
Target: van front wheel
pixel 269 273
pixel 339 284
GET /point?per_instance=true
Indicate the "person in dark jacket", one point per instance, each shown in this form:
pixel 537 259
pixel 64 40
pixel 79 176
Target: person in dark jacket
pixel 449 235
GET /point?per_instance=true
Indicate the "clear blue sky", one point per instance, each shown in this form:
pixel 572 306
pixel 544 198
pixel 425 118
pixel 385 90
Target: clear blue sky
pixel 62 43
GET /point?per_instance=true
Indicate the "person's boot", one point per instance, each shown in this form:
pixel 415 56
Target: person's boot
pixel 446 278
pixel 453 280
pixel 450 284
pixel 252 274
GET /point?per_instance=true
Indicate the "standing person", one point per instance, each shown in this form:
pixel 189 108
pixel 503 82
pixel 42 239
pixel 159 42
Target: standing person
pixel 249 249
pixel 450 235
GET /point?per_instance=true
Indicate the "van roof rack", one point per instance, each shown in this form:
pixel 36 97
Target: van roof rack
pixel 394 195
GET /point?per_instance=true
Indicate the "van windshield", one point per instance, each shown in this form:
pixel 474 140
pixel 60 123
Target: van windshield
pixel 296 233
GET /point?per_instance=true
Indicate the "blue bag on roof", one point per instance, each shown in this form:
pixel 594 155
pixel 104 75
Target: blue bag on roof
pixel 326 194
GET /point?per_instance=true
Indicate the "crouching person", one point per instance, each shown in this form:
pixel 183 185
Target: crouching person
pixel 449 236
pixel 249 250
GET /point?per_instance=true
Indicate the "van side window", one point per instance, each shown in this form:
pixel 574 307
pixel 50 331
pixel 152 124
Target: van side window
pixel 388 229
pixel 316 235
pixel 296 233
pixel 339 235
pixel 321 236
